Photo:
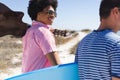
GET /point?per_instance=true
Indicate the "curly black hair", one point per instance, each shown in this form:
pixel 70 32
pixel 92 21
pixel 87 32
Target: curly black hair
pixel 36 6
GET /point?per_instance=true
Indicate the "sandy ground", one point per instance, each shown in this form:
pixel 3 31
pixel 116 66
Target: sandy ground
pixel 64 53
pixel 64 50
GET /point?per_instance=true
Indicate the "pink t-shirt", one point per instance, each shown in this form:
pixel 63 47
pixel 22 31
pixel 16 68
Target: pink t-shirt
pixel 37 42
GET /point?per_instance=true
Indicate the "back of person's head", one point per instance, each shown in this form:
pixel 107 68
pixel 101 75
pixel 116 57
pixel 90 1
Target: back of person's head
pixel 36 6
pixel 106 6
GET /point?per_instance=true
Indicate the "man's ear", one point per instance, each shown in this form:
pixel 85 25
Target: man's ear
pixel 115 10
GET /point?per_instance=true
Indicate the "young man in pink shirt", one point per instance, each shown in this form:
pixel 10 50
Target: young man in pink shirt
pixel 39 49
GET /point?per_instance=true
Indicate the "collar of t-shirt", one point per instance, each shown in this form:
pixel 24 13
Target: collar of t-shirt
pixel 37 24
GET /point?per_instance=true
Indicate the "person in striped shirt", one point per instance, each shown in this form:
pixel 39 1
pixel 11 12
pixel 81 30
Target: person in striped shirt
pixel 39 49
pixel 98 53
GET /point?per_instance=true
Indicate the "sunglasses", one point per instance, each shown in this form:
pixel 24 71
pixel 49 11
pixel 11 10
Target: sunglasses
pixel 50 12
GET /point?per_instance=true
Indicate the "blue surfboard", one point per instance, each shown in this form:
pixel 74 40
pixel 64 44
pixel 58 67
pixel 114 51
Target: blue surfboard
pixel 60 72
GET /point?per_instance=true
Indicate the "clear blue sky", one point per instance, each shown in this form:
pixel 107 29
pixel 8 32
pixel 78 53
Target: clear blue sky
pixel 71 14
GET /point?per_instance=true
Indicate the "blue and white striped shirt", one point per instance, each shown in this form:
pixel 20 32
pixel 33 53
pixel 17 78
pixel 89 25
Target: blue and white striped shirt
pixel 98 56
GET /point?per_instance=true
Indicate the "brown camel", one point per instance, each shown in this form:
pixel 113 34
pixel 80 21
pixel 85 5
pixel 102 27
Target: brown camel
pixel 11 22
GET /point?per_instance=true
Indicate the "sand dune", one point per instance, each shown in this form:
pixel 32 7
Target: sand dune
pixel 63 50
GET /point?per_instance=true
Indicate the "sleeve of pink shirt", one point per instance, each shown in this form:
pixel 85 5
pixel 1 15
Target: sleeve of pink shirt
pixel 45 40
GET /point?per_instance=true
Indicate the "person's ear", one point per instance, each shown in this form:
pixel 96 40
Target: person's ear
pixel 115 11
pixel 39 13
pixel 38 16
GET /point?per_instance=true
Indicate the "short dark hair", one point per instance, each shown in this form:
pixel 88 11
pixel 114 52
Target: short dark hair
pixel 106 6
pixel 36 6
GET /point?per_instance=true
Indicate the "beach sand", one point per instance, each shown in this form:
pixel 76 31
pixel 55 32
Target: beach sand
pixel 63 51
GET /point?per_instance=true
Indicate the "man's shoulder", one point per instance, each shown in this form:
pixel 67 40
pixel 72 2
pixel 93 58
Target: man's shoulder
pixel 113 37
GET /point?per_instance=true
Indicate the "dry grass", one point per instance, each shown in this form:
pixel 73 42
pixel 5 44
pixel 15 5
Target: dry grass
pixel 73 49
pixel 9 49
pixel 62 40
pixel 86 30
